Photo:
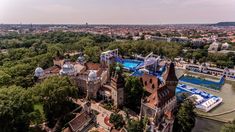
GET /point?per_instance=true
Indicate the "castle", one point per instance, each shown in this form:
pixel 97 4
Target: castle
pixel 93 79
pixel 100 80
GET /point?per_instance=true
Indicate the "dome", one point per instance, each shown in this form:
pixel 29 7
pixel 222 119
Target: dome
pixel 67 66
pixel 67 69
pixel 38 72
pixel 92 76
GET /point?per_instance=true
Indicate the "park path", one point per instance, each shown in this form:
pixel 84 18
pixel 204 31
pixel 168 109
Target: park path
pixel 218 114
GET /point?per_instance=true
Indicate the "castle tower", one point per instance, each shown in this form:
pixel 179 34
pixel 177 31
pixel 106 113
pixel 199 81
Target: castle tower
pixel 93 85
pixel 117 83
pixel 170 77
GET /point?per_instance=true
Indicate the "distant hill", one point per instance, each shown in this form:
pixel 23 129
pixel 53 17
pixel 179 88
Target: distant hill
pixel 225 24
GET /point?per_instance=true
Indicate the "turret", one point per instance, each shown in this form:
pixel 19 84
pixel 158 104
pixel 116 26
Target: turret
pixel 117 79
pixel 117 82
pixel 93 84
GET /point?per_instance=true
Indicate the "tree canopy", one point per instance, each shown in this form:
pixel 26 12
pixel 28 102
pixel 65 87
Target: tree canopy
pixel 56 95
pixel 93 53
pixel 134 92
pixel 185 117
pixel 116 120
pixel 16 109
pixel 135 126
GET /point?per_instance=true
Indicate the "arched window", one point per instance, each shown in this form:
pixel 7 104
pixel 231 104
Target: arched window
pixel 150 81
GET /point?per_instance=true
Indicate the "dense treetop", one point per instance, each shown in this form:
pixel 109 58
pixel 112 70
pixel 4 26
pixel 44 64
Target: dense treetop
pixel 16 109
pixel 185 117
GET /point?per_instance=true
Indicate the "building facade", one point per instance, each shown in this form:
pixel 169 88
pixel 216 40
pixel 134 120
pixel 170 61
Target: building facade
pixel 160 102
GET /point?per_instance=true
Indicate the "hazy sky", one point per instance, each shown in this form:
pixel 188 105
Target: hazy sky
pixel 116 11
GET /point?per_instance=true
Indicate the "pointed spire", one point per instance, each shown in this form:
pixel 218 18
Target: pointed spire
pixel 170 73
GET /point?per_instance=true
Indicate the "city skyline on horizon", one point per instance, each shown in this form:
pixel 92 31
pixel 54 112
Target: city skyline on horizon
pixel 120 12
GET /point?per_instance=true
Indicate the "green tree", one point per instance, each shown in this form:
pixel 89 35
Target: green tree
pixel 185 117
pixel 134 91
pixel 93 53
pixel 102 39
pixel 56 95
pixel 87 41
pixel 116 120
pixel 16 109
pixel 21 74
pixel 4 78
pixel 39 48
pixel 229 127
pixel 55 50
pixel 135 126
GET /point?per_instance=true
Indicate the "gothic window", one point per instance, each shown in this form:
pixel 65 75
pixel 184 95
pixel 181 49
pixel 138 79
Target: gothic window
pixel 150 81
pixel 145 83
pixel 153 86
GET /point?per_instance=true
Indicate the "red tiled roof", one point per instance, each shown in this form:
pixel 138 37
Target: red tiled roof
pixel 79 121
pixel 159 97
pixel 92 66
pixel 52 70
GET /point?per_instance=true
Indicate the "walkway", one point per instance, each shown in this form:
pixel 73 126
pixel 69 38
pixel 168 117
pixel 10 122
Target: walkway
pixel 218 114
pixel 213 76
